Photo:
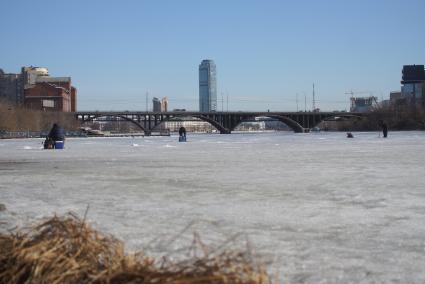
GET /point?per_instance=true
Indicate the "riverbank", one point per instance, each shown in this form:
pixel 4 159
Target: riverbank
pixel 69 134
pixel 68 250
pixel 35 134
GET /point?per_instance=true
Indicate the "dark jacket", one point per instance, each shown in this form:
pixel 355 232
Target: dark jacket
pixel 182 131
pixel 56 133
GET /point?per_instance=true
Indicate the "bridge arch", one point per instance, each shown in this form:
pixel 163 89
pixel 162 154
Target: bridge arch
pixel 292 124
pixel 92 117
pixel 212 122
pixel 335 117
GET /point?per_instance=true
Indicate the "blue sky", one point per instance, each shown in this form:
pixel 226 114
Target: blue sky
pixel 265 51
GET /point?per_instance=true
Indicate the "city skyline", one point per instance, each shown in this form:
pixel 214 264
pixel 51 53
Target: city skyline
pixel 268 52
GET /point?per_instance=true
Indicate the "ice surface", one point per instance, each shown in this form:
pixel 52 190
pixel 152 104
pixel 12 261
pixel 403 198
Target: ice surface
pixel 324 208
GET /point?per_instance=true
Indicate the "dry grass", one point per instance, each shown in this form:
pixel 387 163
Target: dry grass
pixel 67 250
pixel 18 118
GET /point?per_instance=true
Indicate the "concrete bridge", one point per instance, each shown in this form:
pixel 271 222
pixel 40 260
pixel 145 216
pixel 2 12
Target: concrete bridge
pixel 225 122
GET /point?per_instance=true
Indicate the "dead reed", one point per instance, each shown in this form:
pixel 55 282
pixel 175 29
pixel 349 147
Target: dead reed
pixel 67 250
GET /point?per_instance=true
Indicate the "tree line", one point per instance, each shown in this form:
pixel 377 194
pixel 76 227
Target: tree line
pixel 399 117
pixel 19 118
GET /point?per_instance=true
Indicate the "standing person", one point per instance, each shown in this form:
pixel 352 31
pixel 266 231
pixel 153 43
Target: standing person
pixel 384 128
pixel 182 134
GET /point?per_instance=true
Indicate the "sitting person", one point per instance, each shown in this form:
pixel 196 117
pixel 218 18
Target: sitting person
pixel 55 134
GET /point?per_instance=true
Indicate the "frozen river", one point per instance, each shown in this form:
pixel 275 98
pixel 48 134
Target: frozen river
pixel 324 208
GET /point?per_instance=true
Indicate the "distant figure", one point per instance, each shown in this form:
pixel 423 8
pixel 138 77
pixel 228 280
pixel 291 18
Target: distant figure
pixel 55 139
pixel 350 135
pixel 384 128
pixel 182 134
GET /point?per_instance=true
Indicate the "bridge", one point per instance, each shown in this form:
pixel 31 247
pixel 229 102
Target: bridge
pixel 225 122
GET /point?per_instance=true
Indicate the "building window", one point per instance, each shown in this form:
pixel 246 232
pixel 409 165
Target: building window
pixel 48 103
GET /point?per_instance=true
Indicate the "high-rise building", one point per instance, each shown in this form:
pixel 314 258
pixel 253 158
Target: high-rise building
pixel 160 105
pixel 164 104
pixel 12 87
pixel 207 86
pixel 413 84
pixel 156 105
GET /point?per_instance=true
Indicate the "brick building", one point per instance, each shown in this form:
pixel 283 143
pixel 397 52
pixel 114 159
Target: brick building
pixel 73 99
pixel 51 93
pixel 47 96
pixel 36 89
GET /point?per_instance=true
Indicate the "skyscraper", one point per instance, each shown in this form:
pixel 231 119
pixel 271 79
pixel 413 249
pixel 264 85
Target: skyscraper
pixel 160 105
pixel 156 104
pixel 207 86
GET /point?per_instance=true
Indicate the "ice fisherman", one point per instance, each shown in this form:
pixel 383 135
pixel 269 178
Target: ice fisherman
pixel 182 131
pixel 182 134
pixel 55 134
pixel 384 127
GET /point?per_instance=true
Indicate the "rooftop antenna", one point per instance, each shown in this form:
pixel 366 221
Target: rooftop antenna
pixel 296 99
pixel 222 102
pixel 147 99
pixel 227 106
pixel 314 100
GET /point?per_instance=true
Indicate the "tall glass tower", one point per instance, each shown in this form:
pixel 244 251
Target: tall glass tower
pixel 207 86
